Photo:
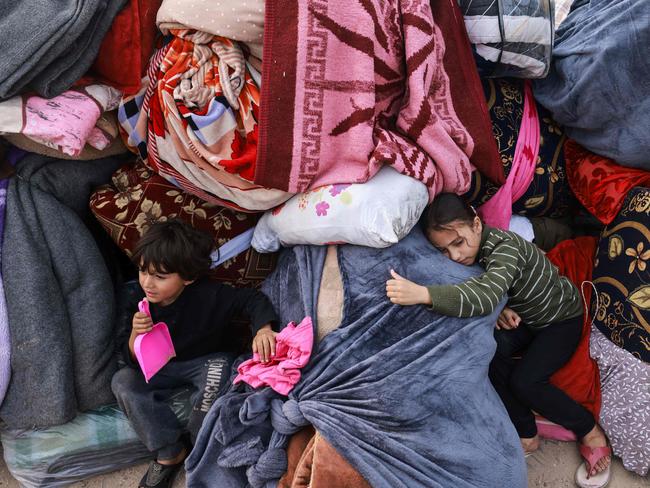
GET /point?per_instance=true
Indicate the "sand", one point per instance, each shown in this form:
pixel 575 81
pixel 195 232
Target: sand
pixel 553 466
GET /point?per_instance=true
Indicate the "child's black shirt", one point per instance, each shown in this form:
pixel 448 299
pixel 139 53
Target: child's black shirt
pixel 199 317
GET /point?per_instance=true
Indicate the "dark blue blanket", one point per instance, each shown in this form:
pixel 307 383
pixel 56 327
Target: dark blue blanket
pixel 400 392
pixel 599 83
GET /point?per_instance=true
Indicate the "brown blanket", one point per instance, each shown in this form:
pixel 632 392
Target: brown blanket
pixel 314 463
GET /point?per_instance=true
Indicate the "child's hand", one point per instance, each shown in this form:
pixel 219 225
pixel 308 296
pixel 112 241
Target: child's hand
pixel 404 292
pixel 508 319
pixel 142 323
pixel 264 343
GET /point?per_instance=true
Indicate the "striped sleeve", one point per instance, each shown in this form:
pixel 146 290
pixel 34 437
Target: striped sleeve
pixel 480 295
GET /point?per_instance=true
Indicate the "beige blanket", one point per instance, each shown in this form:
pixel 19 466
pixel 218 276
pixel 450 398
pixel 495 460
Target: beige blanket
pixel 330 296
pixel 239 20
pixel 312 461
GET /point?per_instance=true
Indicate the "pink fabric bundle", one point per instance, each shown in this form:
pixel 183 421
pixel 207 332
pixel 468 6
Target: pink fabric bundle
pixel 66 122
pixel 293 348
pixel 496 212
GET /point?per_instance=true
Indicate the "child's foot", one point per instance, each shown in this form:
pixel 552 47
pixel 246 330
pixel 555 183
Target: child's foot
pixel 530 444
pixel 161 472
pixel 595 439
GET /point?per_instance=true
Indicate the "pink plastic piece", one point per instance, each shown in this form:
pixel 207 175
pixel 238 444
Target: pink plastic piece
pixel 155 348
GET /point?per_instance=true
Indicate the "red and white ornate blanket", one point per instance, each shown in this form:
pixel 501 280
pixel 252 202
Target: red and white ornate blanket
pixel 345 89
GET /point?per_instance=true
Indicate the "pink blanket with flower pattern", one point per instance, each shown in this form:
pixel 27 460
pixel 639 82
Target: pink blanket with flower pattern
pixel 353 85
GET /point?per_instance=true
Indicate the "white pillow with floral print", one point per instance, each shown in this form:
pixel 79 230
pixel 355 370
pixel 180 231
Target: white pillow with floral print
pixel 377 213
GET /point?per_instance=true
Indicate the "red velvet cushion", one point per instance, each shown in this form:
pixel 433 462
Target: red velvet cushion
pixel 467 90
pixel 126 49
pixel 598 182
pixel 139 197
pixel 579 377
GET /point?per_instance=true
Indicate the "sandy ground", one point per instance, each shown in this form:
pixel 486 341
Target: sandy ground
pixel 553 466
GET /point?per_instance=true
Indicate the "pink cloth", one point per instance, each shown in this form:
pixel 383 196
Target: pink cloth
pixel 496 212
pixel 549 430
pixel 353 86
pixel 293 348
pixel 66 122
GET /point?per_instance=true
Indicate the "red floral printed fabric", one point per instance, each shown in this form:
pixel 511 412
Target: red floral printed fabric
pixel 598 182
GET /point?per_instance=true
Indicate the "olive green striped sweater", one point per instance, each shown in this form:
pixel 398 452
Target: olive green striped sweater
pixel 518 269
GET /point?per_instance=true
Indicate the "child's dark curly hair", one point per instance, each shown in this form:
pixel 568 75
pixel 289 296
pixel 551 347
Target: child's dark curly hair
pixel 174 247
pixel 445 209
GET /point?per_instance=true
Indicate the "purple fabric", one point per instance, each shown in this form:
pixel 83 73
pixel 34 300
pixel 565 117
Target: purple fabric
pixel 625 412
pixel 5 338
pixel 3 201
pixel 14 155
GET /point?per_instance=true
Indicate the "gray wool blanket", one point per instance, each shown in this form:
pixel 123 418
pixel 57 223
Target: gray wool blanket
pixel 59 294
pixel 402 393
pixel 47 45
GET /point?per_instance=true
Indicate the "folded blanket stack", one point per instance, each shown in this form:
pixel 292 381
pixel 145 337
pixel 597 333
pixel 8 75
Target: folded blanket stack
pixel 369 95
pixel 59 294
pixel 65 123
pixel 47 46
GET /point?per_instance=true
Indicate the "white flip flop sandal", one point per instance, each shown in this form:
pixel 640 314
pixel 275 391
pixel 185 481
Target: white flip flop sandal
pixel 591 456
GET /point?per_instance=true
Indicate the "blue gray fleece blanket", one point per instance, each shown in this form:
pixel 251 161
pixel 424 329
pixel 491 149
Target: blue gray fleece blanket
pixel 599 83
pixel 402 393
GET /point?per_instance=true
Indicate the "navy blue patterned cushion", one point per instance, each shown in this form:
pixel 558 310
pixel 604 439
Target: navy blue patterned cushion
pixel 622 277
pixel 549 194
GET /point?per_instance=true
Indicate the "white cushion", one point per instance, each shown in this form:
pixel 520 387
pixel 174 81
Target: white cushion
pixel 377 213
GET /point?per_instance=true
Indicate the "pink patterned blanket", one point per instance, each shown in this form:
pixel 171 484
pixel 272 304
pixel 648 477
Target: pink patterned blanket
pixel 353 85
pixel 66 122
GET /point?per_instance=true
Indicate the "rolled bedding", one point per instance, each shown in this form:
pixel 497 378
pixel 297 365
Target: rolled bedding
pixel 510 38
